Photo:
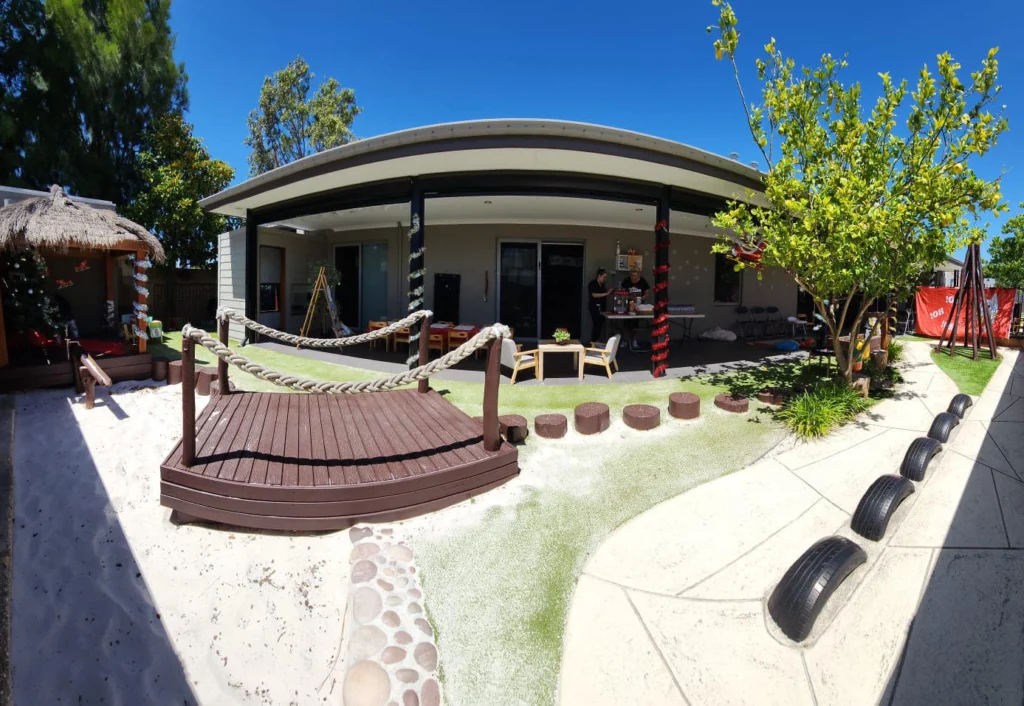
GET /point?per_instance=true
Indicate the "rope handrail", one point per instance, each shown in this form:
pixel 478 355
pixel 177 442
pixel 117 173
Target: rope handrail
pixel 295 382
pixel 227 313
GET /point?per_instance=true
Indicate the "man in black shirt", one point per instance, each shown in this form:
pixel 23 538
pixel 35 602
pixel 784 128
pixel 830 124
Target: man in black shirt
pixel 637 288
pixel 597 301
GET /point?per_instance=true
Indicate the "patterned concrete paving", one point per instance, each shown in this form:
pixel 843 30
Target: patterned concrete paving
pixel 671 607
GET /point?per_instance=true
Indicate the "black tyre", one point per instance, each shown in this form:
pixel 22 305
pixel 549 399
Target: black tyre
pixel 942 425
pixel 918 456
pixel 876 506
pixel 959 405
pixel 807 585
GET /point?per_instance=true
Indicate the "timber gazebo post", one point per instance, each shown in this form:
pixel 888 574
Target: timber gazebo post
pixel 492 379
pixel 424 384
pixel 141 318
pixel 659 322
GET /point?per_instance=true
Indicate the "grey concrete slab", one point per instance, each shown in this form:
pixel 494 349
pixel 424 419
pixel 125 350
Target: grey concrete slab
pixel 972 440
pixel 966 645
pixel 1011 503
pixel 1009 437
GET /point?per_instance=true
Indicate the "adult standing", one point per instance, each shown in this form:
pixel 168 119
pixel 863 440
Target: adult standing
pixel 597 301
pixel 637 288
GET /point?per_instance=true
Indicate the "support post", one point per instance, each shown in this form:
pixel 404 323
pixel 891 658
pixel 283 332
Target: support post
pixel 188 402
pixel 222 365
pixel 90 387
pixel 659 324
pixel 492 378
pixel 142 323
pixel 424 384
pixel 417 259
pixel 252 273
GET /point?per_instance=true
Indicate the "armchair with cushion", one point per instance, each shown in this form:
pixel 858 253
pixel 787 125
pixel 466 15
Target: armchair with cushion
pixel 512 356
pixel 605 357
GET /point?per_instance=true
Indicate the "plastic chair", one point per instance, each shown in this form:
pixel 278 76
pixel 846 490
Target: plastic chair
pixel 772 323
pixel 759 319
pixel 744 323
pixel 374 326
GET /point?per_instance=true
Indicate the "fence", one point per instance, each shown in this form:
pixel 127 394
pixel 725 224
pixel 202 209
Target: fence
pixel 179 303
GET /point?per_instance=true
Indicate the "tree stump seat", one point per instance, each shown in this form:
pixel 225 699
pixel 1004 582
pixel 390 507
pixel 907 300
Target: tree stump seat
pixel 737 404
pixel 684 405
pixel 204 377
pixel 642 417
pixel 550 426
pixel 159 369
pixel 174 372
pixel 592 417
pixel 773 395
pixel 513 428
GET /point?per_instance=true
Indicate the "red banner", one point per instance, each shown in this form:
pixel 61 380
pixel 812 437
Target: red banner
pixel 935 303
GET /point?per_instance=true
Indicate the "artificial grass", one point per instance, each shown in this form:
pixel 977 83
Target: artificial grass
pixel 970 375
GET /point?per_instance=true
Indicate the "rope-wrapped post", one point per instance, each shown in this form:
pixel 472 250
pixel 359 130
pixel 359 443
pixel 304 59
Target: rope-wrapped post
pixel 222 365
pixel 492 378
pixel 188 402
pixel 424 384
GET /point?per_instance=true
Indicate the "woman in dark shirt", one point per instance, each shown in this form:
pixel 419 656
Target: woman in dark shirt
pixel 597 302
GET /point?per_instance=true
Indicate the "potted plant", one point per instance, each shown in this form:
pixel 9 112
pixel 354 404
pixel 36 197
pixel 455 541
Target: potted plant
pixel 561 336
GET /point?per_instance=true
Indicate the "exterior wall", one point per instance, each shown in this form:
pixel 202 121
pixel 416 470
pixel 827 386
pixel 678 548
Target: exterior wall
pixel 231 275
pixel 470 250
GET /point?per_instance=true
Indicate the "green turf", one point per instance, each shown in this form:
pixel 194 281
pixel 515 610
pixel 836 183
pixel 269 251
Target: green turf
pixel 970 375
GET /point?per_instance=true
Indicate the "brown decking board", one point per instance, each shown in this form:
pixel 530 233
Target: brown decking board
pixel 314 462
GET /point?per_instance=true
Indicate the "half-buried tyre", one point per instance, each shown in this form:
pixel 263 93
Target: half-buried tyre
pixel 876 506
pixel 942 425
pixel 960 404
pixel 918 456
pixel 806 587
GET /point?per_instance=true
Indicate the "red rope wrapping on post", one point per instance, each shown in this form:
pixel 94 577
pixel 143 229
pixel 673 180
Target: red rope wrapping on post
pixel 661 246
pixel 659 322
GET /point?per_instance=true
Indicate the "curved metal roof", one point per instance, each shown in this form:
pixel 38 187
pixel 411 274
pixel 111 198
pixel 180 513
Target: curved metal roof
pixel 553 145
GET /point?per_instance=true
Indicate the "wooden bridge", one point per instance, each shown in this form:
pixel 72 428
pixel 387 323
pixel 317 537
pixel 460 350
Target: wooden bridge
pixel 319 462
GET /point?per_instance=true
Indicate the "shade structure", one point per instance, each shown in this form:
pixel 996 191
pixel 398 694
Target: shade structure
pixel 55 222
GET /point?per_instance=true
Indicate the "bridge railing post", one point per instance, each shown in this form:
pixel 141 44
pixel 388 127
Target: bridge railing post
pixel 492 378
pixel 188 402
pixel 222 365
pixel 424 384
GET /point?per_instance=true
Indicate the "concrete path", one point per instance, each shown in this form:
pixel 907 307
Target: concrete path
pixel 670 609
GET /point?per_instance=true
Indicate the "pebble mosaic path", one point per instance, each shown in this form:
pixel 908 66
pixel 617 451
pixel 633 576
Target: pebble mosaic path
pixel 392 657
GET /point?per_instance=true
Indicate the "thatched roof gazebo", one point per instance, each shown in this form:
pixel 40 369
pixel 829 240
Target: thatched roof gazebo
pixel 57 225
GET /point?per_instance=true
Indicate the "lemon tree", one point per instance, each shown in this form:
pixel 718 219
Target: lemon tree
pixel 861 200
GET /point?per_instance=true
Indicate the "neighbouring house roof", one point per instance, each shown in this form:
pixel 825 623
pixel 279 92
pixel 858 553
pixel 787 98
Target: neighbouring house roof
pixel 57 221
pixel 510 146
pixel 950 265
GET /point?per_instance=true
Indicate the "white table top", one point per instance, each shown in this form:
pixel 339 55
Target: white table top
pixel 651 316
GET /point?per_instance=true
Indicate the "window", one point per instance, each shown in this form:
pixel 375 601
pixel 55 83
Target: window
pixel 728 282
pixel 270 297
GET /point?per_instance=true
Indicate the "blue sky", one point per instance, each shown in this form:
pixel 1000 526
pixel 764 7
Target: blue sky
pixel 646 66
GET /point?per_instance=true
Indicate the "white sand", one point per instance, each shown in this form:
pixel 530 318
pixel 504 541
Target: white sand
pixel 112 603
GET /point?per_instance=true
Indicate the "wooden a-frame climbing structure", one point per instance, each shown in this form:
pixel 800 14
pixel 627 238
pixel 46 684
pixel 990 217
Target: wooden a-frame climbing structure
pixel 970 299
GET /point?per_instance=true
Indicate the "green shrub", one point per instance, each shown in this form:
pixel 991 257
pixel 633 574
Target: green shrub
pixel 895 351
pixel 825 406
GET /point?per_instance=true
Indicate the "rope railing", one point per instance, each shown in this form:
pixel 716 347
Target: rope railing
pixel 226 313
pixel 296 382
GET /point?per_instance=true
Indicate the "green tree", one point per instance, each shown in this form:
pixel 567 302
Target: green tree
pixel 26 301
pixel 178 172
pixel 1006 255
pixel 289 124
pixel 81 83
pixel 857 207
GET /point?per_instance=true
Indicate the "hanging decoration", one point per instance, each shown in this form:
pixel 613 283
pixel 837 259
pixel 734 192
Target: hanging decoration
pixel 144 263
pixel 141 290
pixel 139 333
pixel 140 308
pixel 748 254
pixel 82 266
pixel 110 315
pixel 140 277
pixel 64 283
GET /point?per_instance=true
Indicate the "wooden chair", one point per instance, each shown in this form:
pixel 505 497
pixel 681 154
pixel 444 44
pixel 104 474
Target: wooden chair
pixel 436 343
pixel 605 357
pixel 402 336
pixel 512 356
pixel 457 338
pixel 374 326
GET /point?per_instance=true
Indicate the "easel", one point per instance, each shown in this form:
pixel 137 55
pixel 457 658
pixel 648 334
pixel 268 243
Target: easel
pixel 320 286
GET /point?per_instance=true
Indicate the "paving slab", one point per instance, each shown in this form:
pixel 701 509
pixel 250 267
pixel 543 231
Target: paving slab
pixel 990 405
pixel 808 452
pixel 852 662
pixel 755 574
pixel 721 653
pixel 972 440
pixel 1011 502
pixel 904 411
pixel 958 506
pixel 686 539
pixel 966 645
pixel 1009 437
pixel 609 657
pixel 1012 412
pixel 1016 386
pixel 844 477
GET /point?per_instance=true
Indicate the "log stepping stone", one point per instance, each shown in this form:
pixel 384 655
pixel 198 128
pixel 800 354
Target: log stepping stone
pixel 550 426
pixel 592 417
pixel 643 417
pixel 732 403
pixel 204 377
pixel 513 428
pixel 159 369
pixel 684 405
pixel 772 395
pixel 174 372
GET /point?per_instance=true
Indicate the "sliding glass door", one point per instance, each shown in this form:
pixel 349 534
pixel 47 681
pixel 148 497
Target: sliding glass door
pixel 540 287
pixel 518 279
